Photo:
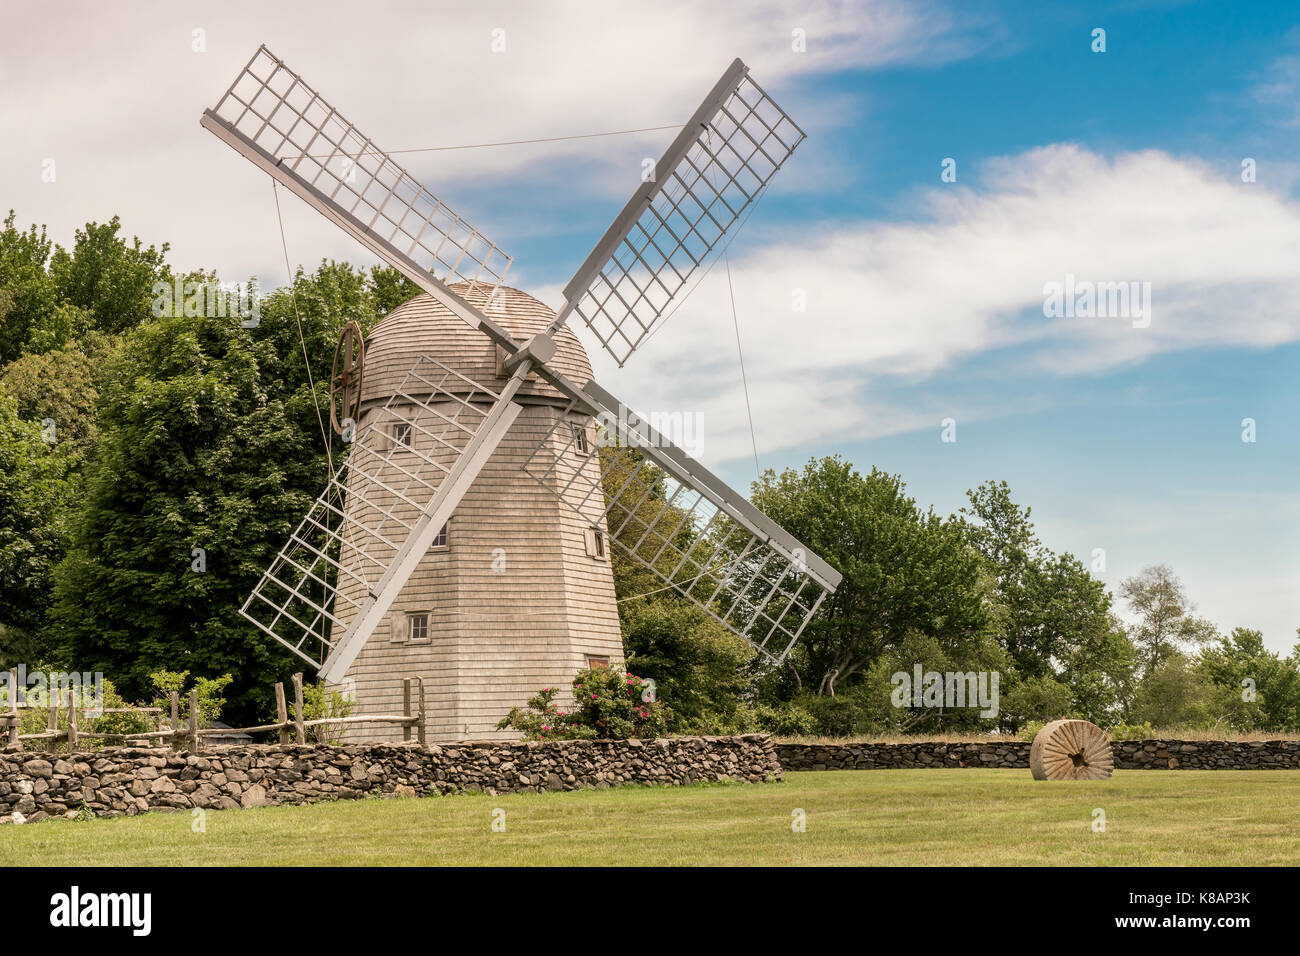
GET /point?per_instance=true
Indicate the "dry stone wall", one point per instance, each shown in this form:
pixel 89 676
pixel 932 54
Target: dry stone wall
pixel 119 781
pixel 1129 755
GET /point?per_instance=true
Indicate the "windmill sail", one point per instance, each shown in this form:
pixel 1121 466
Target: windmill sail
pixel 271 116
pixel 672 516
pixel 711 174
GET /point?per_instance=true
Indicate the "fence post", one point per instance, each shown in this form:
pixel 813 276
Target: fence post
pixel 174 739
pixel 282 712
pixel 406 708
pixel 13 705
pixel 72 721
pixel 299 729
pixel 52 708
pixel 194 721
pixel 420 725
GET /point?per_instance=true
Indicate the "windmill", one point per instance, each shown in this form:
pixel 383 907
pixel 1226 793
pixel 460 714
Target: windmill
pixel 427 438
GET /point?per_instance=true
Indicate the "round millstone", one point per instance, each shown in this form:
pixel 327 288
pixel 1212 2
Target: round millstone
pixel 1071 750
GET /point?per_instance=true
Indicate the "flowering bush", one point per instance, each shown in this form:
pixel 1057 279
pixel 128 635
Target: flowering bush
pixel 609 704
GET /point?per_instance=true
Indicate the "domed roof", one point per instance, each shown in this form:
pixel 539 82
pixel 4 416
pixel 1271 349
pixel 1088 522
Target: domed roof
pixel 424 326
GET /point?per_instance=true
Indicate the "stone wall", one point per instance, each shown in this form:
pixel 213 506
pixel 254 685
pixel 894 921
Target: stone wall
pixel 1207 754
pixel 859 756
pixel 118 781
pixel 1129 755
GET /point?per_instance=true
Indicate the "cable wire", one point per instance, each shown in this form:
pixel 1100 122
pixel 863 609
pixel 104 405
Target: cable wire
pixel 744 379
pixel 293 292
pixel 507 142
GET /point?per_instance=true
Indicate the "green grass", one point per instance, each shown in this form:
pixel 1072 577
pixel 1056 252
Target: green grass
pixel 903 817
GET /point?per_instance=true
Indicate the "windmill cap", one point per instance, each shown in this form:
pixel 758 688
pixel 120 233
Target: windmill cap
pixel 424 326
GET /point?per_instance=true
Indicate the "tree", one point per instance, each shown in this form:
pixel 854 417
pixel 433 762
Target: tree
pixel 209 439
pixel 61 386
pixel 111 281
pixel 1099 667
pixel 1165 621
pixel 1174 694
pixel 34 495
pixel 29 300
pixel 1047 605
pixel 905 570
pixel 1037 699
pixel 1255 689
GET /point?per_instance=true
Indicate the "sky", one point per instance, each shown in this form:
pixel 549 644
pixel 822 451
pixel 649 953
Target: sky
pixel 962 157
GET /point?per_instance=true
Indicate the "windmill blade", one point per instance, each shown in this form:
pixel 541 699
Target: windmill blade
pixel 319 595
pixel 713 171
pixel 274 119
pixel 677 519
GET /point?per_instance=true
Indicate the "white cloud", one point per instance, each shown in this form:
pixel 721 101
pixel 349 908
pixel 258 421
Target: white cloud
pixel 893 304
pixel 114 95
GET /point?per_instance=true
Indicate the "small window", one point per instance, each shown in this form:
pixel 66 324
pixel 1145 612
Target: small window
pixel 441 540
pixel 594 661
pixel 595 543
pixel 402 434
pixel 419 627
pixel 580 444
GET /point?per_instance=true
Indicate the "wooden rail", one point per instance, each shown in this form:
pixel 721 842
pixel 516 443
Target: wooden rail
pixel 191 737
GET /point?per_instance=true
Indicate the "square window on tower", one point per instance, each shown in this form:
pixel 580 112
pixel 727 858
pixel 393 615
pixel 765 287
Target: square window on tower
pixel 418 627
pixel 580 443
pixel 440 542
pixel 595 541
pixel 402 434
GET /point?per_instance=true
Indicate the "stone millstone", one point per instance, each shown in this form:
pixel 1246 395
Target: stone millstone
pixel 1071 750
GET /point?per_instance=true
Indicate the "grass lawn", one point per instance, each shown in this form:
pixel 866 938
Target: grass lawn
pixel 887 817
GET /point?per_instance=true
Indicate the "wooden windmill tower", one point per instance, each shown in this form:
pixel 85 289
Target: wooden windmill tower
pixel 466 537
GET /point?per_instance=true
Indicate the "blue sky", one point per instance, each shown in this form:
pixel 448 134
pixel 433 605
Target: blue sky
pixel 925 297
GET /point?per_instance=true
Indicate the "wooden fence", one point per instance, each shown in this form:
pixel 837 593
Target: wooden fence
pixel 191 737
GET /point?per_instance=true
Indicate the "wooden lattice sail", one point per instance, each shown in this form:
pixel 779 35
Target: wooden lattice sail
pixel 1071 750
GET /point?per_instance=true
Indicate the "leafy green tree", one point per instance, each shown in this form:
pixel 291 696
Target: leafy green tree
pixel 209 439
pixel 107 278
pixel 1036 699
pixel 34 497
pixel 1165 621
pixel 1255 689
pixel 61 386
pixel 28 300
pixel 905 570
pixel 1046 603
pixel 1174 694
pixel 389 289
pixel 1100 669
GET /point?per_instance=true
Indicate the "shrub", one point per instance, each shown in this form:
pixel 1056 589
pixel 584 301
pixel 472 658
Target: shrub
pixel 318 703
pixel 209 688
pixel 609 704
pixel 785 720
pixel 1142 731
pixel 1030 730
pixel 35 720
